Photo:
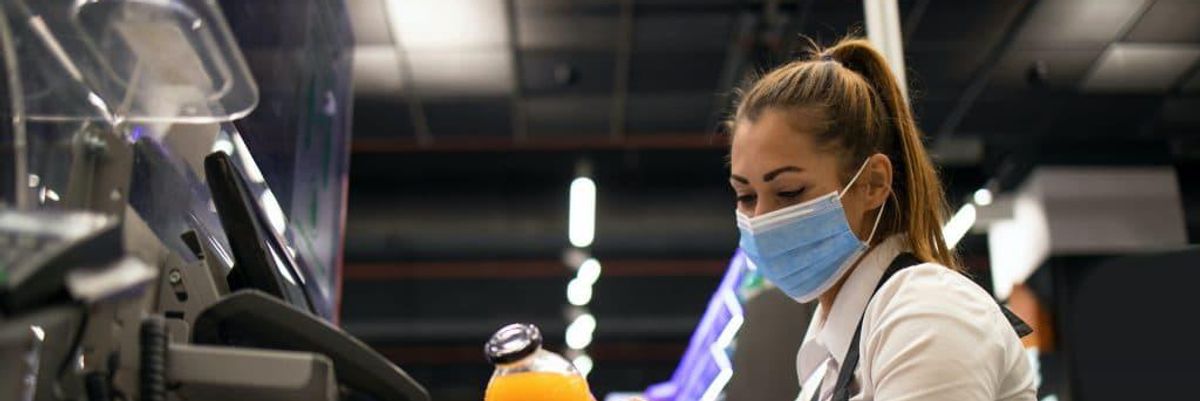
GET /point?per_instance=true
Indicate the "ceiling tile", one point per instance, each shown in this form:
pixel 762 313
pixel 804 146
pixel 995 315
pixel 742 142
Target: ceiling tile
pixel 675 72
pixel 526 7
pixel 680 32
pixel 462 73
pixel 574 116
pixel 433 25
pixel 1171 21
pixel 1141 68
pixel 1006 117
pixel 554 24
pixel 1182 112
pixel 829 21
pixel 1063 68
pixel 942 71
pixel 1104 116
pixel 570 32
pixel 381 117
pixel 673 113
pixel 691 2
pixel 1078 24
pixel 588 72
pixel 1192 86
pixel 376 71
pixel 368 18
pixel 476 117
pixel 969 22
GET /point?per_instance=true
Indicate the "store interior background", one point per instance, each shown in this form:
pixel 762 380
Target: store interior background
pixel 471 118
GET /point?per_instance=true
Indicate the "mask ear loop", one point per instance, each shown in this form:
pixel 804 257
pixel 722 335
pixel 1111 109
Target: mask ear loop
pixel 861 168
pixel 878 216
pixel 876 225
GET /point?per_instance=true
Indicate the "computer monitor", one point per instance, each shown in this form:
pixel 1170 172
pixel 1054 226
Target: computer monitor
pixel 260 258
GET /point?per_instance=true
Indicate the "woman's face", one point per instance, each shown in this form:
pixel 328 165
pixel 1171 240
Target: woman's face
pixel 775 163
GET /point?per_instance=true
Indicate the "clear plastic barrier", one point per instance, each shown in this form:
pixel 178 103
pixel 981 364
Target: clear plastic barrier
pixel 133 68
pixel 171 197
pixel 128 61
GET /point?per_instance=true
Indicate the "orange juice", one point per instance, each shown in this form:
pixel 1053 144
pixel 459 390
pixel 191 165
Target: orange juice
pixel 538 386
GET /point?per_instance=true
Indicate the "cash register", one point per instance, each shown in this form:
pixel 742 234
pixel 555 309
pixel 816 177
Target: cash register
pixel 260 339
pixel 269 307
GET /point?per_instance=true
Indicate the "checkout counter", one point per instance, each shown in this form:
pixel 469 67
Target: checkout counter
pixel 134 264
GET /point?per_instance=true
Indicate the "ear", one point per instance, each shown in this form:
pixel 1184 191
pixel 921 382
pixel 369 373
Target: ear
pixel 878 176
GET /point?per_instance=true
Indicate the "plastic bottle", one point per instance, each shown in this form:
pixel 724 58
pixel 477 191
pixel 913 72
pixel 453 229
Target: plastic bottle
pixel 526 372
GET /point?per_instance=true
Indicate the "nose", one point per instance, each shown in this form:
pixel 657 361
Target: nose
pixel 764 206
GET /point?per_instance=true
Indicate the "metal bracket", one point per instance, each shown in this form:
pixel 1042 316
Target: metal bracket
pixel 101 164
pixel 184 290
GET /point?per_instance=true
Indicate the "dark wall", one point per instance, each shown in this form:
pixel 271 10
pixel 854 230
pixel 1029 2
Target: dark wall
pixel 1124 327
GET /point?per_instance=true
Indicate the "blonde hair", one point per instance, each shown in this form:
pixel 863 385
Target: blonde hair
pixel 864 111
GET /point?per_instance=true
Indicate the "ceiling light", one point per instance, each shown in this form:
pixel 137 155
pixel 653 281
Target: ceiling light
pixel 983 197
pixel 959 224
pixel 582 213
pixel 579 332
pixel 583 364
pixel 589 271
pixel 440 24
pixel 579 293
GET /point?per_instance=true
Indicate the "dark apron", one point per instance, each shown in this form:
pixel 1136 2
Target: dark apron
pixel 841 387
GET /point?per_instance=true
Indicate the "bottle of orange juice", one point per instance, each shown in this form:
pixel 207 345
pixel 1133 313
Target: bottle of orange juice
pixel 526 372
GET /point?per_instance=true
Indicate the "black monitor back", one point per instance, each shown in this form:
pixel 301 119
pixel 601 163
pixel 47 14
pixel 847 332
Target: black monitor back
pixel 260 261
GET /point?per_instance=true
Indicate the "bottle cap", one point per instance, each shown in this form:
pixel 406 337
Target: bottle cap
pixel 512 343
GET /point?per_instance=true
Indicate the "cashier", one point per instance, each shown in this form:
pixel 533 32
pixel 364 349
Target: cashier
pixel 839 203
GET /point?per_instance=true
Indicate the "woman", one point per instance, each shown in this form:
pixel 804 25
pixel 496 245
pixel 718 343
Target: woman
pixel 837 201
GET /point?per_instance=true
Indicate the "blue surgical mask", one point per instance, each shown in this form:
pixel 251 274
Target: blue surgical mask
pixel 803 249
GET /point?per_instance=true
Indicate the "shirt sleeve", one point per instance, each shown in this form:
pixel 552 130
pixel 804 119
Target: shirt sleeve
pixel 927 336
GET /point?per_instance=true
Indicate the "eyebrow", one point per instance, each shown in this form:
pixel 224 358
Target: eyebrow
pixel 776 172
pixel 769 175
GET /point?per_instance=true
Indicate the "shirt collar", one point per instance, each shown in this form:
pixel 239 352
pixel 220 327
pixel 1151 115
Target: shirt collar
pixel 831 337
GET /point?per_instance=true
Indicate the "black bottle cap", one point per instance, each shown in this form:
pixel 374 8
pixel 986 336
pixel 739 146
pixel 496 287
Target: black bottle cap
pixel 512 343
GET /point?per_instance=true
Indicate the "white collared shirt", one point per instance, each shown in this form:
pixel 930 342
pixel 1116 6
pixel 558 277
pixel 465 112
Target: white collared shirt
pixel 930 333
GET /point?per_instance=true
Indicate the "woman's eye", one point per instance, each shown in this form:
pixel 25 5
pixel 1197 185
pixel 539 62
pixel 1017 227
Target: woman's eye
pixel 746 199
pixel 791 194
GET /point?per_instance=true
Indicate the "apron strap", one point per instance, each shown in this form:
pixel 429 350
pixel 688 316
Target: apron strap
pixel 850 362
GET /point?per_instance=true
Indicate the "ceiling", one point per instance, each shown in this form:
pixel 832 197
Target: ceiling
pixel 454 71
pixel 472 116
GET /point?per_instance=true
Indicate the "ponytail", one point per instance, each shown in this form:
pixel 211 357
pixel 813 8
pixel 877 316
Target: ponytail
pixel 867 114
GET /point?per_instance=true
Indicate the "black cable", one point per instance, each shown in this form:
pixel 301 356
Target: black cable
pixel 76 341
pixel 152 383
pixel 96 386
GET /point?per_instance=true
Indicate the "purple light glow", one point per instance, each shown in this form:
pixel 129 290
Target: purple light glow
pixel 698 369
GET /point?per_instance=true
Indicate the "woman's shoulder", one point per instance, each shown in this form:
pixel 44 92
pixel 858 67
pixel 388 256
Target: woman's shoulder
pixel 933 294
pixel 930 328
